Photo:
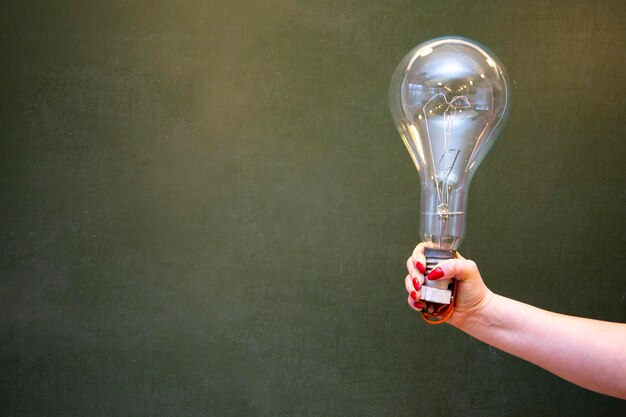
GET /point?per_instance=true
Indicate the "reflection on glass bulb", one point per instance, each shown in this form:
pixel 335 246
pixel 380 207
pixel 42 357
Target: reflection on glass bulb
pixel 449 98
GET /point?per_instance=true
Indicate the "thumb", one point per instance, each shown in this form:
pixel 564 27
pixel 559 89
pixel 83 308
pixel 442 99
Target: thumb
pixel 462 269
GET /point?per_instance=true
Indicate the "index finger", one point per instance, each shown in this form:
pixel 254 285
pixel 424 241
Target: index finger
pixel 418 253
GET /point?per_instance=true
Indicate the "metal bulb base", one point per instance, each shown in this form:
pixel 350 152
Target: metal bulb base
pixel 439 291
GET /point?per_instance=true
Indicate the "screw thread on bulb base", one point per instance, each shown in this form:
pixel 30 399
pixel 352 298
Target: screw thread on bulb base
pixel 434 256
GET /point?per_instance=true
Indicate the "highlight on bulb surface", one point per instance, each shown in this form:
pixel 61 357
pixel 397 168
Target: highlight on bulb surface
pixel 449 98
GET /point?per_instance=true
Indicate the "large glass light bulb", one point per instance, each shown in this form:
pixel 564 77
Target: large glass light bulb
pixel 449 98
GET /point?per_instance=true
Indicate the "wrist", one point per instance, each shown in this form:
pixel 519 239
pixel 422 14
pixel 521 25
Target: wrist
pixel 481 314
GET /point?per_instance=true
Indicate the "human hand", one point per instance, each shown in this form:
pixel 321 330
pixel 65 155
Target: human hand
pixel 472 294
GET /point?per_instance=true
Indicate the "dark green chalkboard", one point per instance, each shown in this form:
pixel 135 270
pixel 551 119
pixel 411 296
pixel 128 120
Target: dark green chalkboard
pixel 206 208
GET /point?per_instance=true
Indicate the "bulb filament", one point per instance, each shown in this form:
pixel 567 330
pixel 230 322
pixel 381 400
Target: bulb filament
pixel 451 111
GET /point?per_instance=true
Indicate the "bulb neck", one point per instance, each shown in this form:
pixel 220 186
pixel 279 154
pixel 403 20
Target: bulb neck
pixel 442 217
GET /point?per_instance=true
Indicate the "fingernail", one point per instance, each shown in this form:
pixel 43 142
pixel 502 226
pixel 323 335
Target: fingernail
pixel 418 305
pixel 435 274
pixel 414 295
pixel 420 267
pixel 416 284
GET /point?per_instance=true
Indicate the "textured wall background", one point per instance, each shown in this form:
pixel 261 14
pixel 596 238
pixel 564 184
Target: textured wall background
pixel 206 209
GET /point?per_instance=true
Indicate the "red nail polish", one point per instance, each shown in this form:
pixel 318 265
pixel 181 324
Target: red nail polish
pixel 418 305
pixel 420 267
pixel 414 295
pixel 416 284
pixel 435 274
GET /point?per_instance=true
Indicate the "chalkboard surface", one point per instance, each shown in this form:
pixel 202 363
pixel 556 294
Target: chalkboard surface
pixel 206 209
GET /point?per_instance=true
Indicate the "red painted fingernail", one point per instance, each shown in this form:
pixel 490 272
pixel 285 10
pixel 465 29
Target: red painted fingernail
pixel 435 274
pixel 416 284
pixel 420 267
pixel 418 305
pixel 414 295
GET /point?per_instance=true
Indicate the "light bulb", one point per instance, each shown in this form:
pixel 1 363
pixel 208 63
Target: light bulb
pixel 449 98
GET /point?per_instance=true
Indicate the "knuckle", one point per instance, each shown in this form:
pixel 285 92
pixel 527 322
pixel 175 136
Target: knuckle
pixel 471 265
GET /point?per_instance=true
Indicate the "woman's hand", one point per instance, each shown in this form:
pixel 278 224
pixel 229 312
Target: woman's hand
pixel 472 294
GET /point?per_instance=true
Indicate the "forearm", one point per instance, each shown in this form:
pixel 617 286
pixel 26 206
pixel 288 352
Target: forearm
pixel 589 353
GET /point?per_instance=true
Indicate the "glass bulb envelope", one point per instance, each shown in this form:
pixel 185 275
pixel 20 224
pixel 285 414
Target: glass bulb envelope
pixel 449 99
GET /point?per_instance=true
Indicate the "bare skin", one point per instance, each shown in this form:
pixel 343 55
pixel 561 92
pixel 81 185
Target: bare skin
pixel 589 353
